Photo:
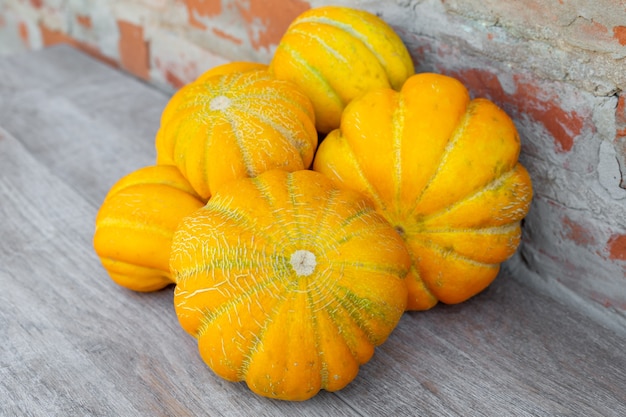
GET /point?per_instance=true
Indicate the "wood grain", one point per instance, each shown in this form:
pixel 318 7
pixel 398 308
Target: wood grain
pixel 75 344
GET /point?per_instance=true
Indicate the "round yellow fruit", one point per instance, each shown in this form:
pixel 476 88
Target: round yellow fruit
pixel 233 125
pixel 288 282
pixel 136 222
pixel 337 53
pixel 444 170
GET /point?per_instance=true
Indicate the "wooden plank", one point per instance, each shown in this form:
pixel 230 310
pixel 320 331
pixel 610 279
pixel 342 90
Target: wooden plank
pixel 61 104
pixel 506 352
pixel 75 344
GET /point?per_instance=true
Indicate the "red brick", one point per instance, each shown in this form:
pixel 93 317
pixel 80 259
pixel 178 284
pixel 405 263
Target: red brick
pixel 595 30
pixel 276 16
pixel 134 50
pixel 173 80
pixel 227 36
pixel 23 30
pixel 616 247
pixel 577 233
pixel 84 21
pixel 531 99
pixel 564 126
pixel 205 8
pixel 619 33
pixel 53 37
pixel 620 111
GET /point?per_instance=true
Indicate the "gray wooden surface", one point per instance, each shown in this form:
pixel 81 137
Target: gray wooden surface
pixel 75 344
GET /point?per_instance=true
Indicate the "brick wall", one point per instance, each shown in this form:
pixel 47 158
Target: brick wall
pixel 558 67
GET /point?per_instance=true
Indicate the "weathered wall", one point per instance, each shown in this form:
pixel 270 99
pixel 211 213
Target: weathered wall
pixel 558 67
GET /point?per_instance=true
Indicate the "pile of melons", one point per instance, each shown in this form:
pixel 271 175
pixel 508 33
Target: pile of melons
pixel 301 207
